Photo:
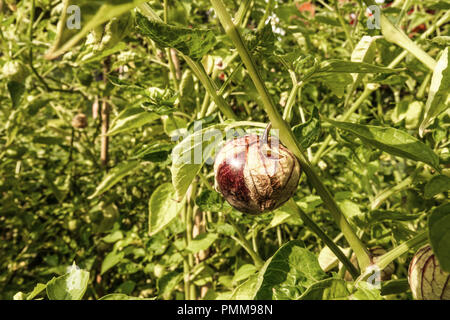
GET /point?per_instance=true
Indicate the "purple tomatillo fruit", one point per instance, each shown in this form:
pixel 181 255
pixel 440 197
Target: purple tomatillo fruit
pixel 426 278
pixel 256 174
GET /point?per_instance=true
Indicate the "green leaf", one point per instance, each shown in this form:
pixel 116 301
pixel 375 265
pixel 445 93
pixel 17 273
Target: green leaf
pixel 167 283
pixel 121 296
pixel 163 208
pixel 155 152
pixel 70 286
pixel 350 209
pixel 364 52
pixel 344 66
pixel 436 185
pixel 111 259
pixel 37 290
pixel 244 272
pixel 189 156
pixel 114 176
pixel 113 237
pixel 202 242
pixel 438 227
pixel 288 273
pixel 376 216
pixel 16 91
pixel 246 290
pixel 325 18
pixel 366 292
pixel 394 287
pixel 328 289
pixel 307 133
pixel 391 140
pixel 337 82
pixel 439 94
pixel 194 43
pixel 92 14
pixel 209 201
pixel 131 118
pixel 284 214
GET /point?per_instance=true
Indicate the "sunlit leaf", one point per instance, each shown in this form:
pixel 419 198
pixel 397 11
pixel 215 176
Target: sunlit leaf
pixel 131 118
pixel 391 140
pixel 439 95
pixel 114 176
pixel 162 208
pixel 70 286
pixel 111 259
pixel 189 156
pixel 288 273
pixel 194 43
pixel 202 242
pixel 436 185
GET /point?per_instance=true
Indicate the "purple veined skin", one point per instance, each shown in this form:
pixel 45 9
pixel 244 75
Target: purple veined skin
pixel 254 175
pixel 426 278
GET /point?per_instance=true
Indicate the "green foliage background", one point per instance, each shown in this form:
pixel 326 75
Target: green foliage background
pixel 59 205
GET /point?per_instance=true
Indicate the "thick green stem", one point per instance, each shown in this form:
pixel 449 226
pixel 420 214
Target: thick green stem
pixel 387 258
pixel 287 136
pixel 189 227
pixel 390 256
pixel 324 237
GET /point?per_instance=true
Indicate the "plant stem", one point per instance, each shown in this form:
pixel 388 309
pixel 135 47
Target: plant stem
pixel 246 245
pixel 288 137
pixel 366 93
pixel 267 12
pixel 242 11
pixel 343 24
pixel 325 238
pixel 197 68
pixel 210 87
pixel 389 192
pixel 395 35
pixel 189 228
pixel 105 111
pixel 390 256
pixel 168 54
pixel 205 181
pixel 287 113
